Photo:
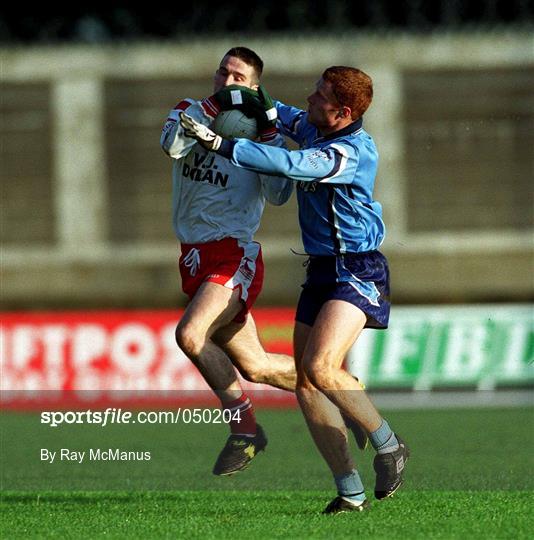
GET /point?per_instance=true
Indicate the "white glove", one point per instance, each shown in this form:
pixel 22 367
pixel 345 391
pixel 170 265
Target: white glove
pixel 207 138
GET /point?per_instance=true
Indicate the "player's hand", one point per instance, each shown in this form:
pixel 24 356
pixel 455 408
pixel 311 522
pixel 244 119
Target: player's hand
pixel 265 113
pixel 203 134
pixel 231 97
pixel 269 110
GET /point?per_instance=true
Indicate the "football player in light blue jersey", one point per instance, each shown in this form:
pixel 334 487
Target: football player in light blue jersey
pixel 347 284
pixel 339 172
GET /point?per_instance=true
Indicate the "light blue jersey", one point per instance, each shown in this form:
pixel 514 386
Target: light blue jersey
pixel 335 175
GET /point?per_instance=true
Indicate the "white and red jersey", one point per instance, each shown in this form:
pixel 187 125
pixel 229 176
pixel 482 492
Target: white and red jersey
pixel 213 199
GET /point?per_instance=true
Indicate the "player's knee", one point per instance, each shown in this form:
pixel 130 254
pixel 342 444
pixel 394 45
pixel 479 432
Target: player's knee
pixel 188 340
pixel 320 376
pixel 252 374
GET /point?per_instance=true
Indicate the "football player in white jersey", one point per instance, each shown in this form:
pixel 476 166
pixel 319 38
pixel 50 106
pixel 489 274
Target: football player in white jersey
pixel 216 211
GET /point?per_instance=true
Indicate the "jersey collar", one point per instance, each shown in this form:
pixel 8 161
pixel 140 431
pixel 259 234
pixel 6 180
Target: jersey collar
pixel 351 128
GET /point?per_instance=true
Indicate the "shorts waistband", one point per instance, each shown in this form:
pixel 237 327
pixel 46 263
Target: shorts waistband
pixel 348 256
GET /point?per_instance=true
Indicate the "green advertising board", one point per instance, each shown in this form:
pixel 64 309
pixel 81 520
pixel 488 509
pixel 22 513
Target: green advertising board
pixel 485 346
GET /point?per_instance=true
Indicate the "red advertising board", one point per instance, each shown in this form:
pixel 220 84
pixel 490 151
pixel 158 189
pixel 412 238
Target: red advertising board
pixel 111 356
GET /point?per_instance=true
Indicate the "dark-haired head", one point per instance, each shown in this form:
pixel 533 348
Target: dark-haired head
pixel 249 57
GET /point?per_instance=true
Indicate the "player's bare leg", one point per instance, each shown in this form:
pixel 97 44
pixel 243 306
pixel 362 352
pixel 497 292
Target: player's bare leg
pixel 321 353
pixel 214 306
pixel 241 343
pixel 336 328
pixel 328 430
pixel 322 416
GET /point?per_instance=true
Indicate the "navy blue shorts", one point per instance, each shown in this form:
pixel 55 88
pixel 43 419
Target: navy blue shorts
pixel 362 279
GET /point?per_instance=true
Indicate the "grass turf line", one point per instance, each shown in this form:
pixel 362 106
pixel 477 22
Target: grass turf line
pixel 266 514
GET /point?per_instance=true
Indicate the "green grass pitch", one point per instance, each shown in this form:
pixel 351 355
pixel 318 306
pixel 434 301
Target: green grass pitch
pixel 470 476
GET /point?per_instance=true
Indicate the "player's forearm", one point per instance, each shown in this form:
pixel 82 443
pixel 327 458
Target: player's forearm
pixel 299 165
pixel 312 164
pixel 276 189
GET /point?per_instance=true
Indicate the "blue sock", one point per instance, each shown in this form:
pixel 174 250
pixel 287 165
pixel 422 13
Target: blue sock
pixel 350 487
pixel 383 439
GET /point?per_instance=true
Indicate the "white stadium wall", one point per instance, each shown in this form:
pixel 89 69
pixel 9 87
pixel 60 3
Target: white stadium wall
pixel 86 188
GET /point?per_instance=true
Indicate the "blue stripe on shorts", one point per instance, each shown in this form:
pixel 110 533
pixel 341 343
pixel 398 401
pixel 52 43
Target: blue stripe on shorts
pixel 362 279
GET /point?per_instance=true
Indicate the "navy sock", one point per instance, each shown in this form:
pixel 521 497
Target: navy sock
pixel 383 439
